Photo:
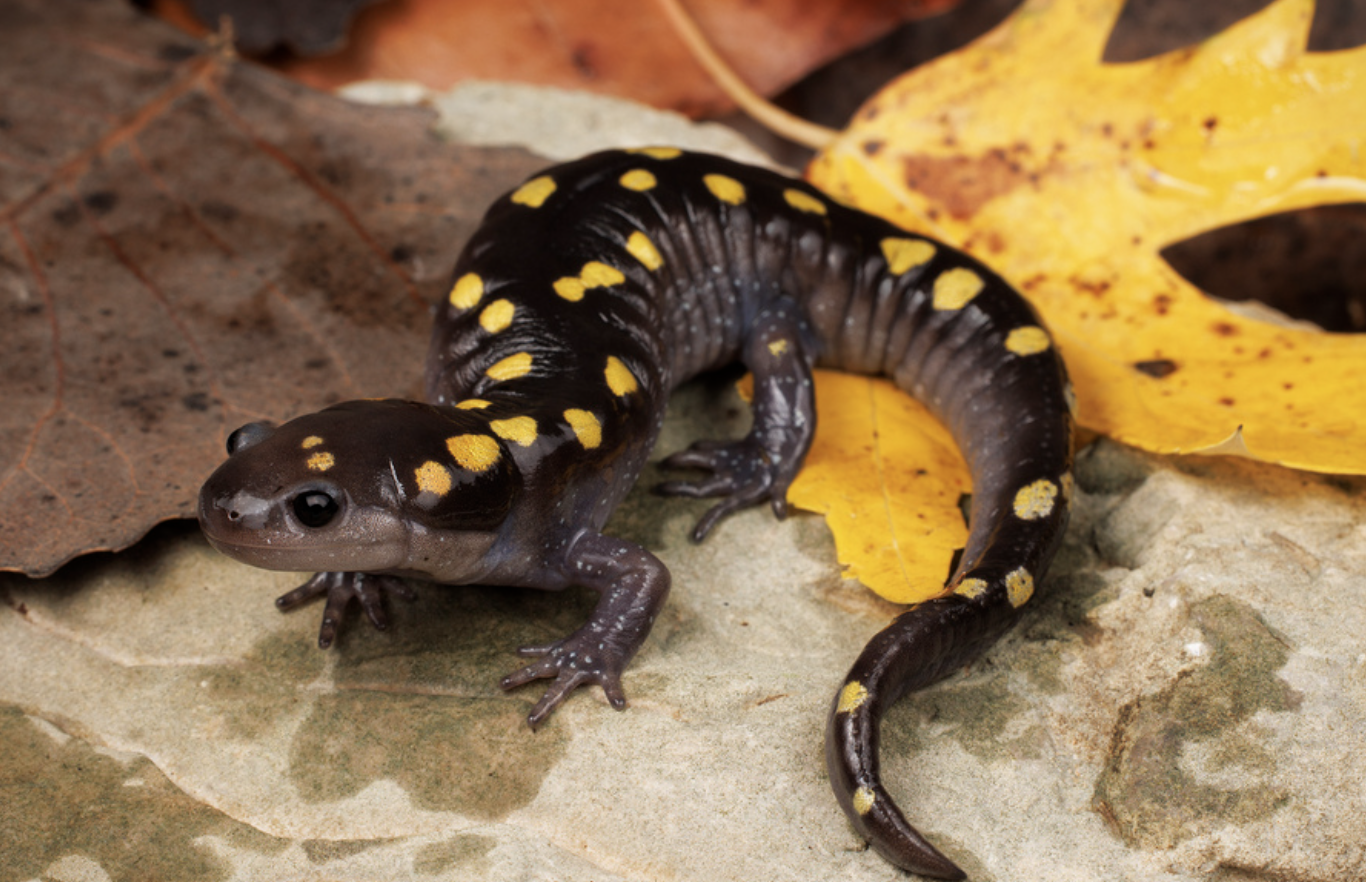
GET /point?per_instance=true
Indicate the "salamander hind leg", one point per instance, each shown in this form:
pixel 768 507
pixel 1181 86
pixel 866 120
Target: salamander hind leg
pixel 340 589
pixel 762 465
pixel 632 585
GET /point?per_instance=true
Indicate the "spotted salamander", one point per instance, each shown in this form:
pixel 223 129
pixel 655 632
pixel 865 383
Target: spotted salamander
pixel 588 293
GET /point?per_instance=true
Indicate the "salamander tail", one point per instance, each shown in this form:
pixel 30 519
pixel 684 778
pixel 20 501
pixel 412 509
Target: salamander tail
pixel 921 646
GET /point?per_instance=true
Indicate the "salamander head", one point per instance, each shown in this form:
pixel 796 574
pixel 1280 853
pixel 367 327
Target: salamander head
pixel 365 486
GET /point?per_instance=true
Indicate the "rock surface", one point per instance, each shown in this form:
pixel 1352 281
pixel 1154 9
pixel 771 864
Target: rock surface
pixel 1185 700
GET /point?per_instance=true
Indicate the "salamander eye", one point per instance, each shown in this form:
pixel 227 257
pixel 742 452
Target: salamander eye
pixel 246 436
pixel 315 508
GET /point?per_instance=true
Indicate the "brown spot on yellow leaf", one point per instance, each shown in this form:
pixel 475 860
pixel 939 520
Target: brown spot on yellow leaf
pixel 1157 368
pixel 963 184
pixel 1095 289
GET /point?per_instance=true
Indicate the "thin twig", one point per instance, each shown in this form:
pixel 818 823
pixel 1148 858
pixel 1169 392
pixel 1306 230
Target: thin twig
pixel 765 112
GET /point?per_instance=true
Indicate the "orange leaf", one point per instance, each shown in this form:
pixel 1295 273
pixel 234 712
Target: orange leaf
pixel 1069 176
pixel 605 46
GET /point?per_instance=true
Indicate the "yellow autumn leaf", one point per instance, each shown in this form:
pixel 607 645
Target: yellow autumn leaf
pixel 888 478
pixel 1069 176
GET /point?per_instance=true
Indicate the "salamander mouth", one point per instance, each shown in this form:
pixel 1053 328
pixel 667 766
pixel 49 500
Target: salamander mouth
pixel 339 556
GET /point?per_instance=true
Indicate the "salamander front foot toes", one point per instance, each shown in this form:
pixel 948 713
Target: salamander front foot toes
pixel 743 472
pixel 340 589
pixel 571 665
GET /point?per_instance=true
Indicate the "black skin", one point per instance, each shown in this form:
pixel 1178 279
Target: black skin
pixel 737 263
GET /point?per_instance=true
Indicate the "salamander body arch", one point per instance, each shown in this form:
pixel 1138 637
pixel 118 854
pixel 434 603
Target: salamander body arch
pixel 588 294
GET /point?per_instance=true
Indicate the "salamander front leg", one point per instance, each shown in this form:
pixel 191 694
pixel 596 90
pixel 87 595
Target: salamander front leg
pixel 340 589
pixel 763 464
pixel 632 585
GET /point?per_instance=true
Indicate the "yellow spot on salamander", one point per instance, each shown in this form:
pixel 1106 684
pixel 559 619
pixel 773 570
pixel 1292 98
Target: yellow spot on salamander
pixel 510 368
pixel 638 179
pixel 1019 587
pixel 642 249
pixel 619 377
pixel 658 152
pixel 321 462
pixel 1035 500
pixel 571 288
pixel 777 347
pixel 534 192
pixel 587 427
pixel 726 189
pixel 473 452
pixel 852 697
pixel 432 477
pixel 971 588
pixel 599 275
pixel 863 800
pixel 520 429
pixel 803 201
pixel 955 288
pixel 1029 340
pixel 497 316
pixel 904 255
pixel 467 291
pixel 311 441
pixel 594 274
pixel 473 404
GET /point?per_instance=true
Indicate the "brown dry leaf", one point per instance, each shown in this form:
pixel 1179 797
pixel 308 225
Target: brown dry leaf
pixel 604 46
pixel 186 244
pixel 1070 176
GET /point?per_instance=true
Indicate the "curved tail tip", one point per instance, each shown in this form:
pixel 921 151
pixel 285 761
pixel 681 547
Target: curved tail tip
pixel 901 844
pixel 851 749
